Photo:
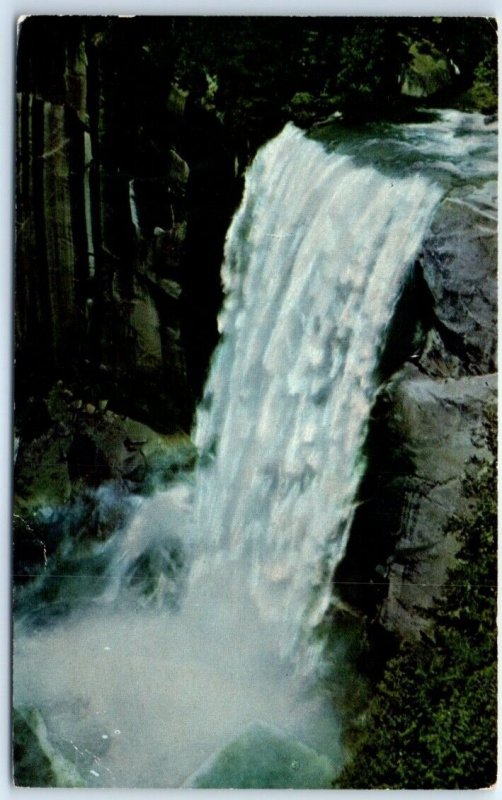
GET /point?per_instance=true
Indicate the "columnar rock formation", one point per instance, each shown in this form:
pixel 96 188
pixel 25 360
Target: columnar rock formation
pixel 124 192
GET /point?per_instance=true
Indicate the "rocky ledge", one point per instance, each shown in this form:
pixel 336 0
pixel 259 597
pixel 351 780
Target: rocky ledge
pixel 433 426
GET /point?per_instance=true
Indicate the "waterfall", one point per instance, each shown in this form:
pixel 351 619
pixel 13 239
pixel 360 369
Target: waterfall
pixel 316 258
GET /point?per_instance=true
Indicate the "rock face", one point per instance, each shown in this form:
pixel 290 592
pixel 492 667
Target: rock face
pixel 459 263
pixel 433 426
pixel 107 255
pixel 443 427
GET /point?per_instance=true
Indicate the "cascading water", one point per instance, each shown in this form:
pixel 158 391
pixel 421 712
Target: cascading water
pixel 316 258
pixel 315 261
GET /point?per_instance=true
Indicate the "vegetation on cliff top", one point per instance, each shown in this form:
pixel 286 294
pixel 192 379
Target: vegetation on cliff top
pixel 259 71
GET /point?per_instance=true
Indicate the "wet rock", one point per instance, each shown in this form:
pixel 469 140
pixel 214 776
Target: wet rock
pixel 41 476
pixel 443 426
pixel 460 268
pixel 32 546
pixel 432 435
pixel 157 576
pixel 264 757
pixel 78 449
pixel 36 761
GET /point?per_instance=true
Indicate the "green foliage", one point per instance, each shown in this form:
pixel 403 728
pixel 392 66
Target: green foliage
pixel 268 70
pixel 252 70
pixel 429 70
pixel 432 721
pixel 483 94
pixel 370 63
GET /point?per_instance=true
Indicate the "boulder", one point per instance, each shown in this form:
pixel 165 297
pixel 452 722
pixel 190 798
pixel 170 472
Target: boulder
pixel 442 428
pixel 427 72
pixel 459 264
pixel 443 425
pixel 37 762
pixel 99 445
pixel 264 757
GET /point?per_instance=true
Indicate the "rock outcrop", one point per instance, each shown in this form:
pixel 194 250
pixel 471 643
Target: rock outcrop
pixel 459 263
pixel 433 425
pixel 37 762
pixel 264 757
pixel 69 449
pixel 444 428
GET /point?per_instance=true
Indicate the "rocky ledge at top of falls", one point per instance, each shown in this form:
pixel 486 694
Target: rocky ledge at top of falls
pixel 459 263
pixel 431 430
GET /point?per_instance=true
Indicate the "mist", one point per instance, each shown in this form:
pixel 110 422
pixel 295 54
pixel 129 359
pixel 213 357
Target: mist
pixel 141 696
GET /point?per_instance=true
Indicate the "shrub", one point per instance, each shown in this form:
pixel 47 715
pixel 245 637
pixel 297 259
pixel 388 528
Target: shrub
pixel 432 721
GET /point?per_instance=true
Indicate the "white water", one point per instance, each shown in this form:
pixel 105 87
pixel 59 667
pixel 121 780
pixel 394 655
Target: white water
pixel 316 259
